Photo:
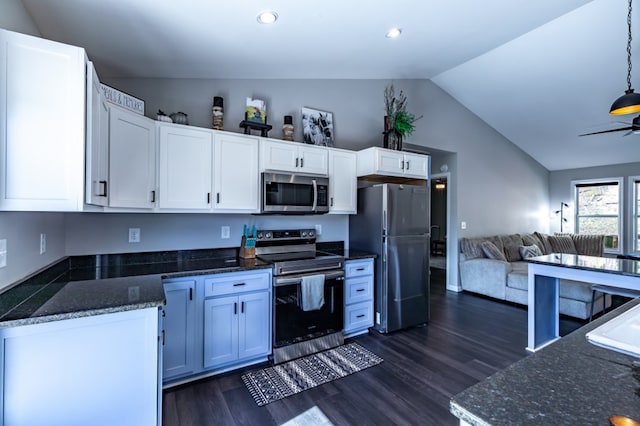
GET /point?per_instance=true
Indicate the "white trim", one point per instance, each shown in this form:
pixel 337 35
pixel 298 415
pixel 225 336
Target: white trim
pixel 633 242
pixel 452 257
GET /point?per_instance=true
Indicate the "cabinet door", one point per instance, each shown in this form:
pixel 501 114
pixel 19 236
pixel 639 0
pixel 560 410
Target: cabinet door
pixel 236 175
pixel 389 162
pixel 185 168
pixel 131 159
pixel 255 318
pixel 220 330
pixel 313 160
pixel 343 182
pixel 416 165
pixel 279 156
pixel 42 122
pixel 97 144
pixel 179 327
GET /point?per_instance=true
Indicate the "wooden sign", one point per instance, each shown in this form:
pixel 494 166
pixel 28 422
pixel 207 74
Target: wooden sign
pixel 122 99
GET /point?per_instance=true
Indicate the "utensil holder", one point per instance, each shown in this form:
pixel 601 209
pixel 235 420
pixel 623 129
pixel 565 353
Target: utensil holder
pixel 246 252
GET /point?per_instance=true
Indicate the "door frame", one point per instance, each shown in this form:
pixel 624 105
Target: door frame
pixel 451 248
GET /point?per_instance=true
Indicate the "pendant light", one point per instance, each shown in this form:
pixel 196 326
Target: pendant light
pixel 628 103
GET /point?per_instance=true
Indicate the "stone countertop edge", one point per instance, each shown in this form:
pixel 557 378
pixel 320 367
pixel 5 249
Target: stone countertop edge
pixel 223 270
pixel 588 383
pixel 610 265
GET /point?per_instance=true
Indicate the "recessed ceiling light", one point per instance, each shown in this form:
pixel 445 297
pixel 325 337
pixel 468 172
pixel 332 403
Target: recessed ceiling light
pixel 268 17
pixel 393 33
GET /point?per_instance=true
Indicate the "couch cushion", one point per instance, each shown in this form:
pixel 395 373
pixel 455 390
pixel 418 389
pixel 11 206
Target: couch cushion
pixel 518 277
pixel 492 252
pixel 589 245
pixel 472 247
pixel 544 240
pixel 562 244
pixel 530 251
pixel 511 245
pixel 532 239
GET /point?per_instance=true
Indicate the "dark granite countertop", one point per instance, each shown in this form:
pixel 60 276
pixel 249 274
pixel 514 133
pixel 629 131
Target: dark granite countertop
pixel 92 285
pixel 590 263
pixel 570 382
pixel 352 254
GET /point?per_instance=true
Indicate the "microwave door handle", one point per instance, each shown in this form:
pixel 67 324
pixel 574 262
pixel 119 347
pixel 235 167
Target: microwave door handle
pixel 315 195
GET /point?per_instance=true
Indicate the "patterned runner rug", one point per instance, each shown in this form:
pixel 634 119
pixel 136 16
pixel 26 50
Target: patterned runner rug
pixel 277 382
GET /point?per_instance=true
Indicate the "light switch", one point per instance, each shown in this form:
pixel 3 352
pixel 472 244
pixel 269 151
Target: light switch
pixel 3 253
pixel 134 235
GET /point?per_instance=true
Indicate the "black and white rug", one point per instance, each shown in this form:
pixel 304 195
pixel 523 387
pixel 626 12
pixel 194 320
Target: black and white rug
pixel 277 382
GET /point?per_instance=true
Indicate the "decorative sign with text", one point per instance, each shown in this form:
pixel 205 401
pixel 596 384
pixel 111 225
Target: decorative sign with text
pixel 123 99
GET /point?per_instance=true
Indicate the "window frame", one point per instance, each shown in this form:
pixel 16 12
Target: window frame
pixel 634 190
pixel 575 184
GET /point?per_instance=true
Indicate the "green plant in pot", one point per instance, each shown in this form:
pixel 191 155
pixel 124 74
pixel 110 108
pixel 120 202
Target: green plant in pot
pixel 398 123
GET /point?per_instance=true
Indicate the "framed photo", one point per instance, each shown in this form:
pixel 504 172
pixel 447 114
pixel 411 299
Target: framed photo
pixel 317 127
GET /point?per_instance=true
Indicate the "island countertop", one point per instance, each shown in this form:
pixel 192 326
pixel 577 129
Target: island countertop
pixel 569 382
pixel 80 286
pixel 609 265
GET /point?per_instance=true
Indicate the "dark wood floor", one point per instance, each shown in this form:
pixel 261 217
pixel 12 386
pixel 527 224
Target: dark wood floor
pixel 467 339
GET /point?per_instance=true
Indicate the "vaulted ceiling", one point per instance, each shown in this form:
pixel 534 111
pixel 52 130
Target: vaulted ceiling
pixel 539 72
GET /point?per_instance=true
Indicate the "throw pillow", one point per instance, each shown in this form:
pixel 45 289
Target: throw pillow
pixel 530 251
pixel 562 244
pixel 492 251
pixel 511 244
pixel 589 245
pixel 471 247
pixel 530 240
pixel 546 245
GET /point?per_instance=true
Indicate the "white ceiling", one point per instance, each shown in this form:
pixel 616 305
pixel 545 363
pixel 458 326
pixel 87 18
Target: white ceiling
pixel 539 72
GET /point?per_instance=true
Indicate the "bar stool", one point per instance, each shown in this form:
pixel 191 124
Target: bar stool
pixel 605 289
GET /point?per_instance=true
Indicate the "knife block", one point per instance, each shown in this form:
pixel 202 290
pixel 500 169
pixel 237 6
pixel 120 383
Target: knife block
pixel 246 252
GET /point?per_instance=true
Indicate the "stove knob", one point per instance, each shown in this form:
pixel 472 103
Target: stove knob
pixel 260 235
pixel 311 234
pixel 304 234
pixel 268 235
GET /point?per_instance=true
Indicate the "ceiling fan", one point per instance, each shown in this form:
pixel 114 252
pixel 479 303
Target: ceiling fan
pixel 633 128
pixel 628 103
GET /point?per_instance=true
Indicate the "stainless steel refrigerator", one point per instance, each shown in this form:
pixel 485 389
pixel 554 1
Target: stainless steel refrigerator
pixel 393 222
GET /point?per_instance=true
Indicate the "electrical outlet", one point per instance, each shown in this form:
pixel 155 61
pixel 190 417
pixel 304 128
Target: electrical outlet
pixel 225 232
pixel 134 235
pixel 134 294
pixel 43 243
pixel 318 229
pixel 463 225
pixel 3 253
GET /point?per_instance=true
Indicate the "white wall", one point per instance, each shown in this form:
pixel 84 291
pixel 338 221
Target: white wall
pixel 561 192
pixel 98 233
pixel 14 17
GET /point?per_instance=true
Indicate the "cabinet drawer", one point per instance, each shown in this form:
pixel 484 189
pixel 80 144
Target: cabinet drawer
pixel 358 316
pixel 236 283
pixel 358 289
pixel 354 268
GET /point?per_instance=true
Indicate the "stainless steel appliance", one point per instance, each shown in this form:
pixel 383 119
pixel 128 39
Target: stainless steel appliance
pixel 294 194
pixel 297 332
pixel 393 222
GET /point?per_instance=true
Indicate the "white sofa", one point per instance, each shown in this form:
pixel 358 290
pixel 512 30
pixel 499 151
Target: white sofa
pixel 506 278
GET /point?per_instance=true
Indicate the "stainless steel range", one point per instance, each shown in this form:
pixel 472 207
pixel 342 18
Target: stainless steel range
pixel 300 329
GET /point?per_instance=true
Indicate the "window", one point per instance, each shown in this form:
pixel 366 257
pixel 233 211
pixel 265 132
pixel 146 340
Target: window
pixel 635 182
pixel 598 209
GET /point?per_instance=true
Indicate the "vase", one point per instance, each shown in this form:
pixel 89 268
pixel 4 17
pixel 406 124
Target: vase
pixel 392 139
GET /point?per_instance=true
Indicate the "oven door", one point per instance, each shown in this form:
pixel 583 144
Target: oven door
pixel 294 194
pixel 294 325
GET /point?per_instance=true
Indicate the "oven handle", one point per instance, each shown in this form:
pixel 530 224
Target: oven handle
pixel 315 195
pixel 332 275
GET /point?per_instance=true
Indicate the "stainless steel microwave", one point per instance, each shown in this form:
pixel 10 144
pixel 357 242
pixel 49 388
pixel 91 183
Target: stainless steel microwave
pixel 294 194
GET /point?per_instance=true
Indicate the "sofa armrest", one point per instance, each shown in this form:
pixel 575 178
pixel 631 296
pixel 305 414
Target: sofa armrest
pixel 485 276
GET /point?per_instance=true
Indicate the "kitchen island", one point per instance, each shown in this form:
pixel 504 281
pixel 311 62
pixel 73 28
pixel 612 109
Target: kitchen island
pixel 568 382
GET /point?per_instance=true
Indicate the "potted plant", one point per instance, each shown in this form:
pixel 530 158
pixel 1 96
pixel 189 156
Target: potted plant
pixel 398 123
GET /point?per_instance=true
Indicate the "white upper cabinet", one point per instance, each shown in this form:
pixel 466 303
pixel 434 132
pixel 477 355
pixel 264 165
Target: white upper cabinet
pixel 343 182
pixel 293 157
pixel 381 161
pixel 42 118
pixel 97 145
pixel 132 159
pixel 236 179
pixel 185 167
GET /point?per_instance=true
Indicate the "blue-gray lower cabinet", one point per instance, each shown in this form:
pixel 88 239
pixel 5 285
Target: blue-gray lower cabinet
pixel 358 297
pixel 237 319
pixel 179 328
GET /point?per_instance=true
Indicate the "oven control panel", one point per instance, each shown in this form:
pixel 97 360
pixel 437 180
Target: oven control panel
pixel 285 234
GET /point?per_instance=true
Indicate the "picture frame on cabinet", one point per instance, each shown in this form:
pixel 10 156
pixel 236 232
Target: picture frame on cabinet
pixel 122 99
pixel 317 127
